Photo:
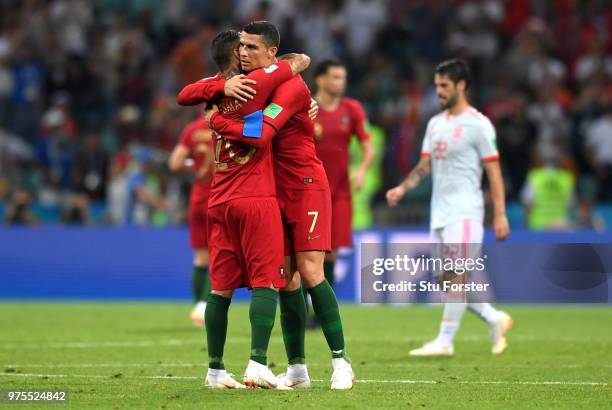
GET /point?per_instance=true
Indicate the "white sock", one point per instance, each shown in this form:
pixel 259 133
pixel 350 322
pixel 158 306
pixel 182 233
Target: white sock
pixel 485 311
pixel 215 372
pixel 297 369
pixel 453 312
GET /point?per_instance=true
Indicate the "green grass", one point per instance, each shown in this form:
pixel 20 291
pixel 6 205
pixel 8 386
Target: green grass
pixel 149 356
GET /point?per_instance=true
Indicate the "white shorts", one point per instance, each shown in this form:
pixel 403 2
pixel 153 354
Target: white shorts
pixel 461 239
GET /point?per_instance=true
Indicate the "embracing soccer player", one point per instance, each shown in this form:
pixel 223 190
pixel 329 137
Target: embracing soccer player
pixel 459 142
pixel 338 120
pixel 244 222
pixel 195 144
pixel 305 202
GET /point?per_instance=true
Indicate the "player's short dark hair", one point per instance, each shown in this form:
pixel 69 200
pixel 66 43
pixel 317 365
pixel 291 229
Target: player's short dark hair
pixel 267 30
pixel 324 66
pixel 457 70
pixel 222 47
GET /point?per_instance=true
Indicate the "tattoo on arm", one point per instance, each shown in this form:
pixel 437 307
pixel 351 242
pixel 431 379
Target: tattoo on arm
pixel 417 175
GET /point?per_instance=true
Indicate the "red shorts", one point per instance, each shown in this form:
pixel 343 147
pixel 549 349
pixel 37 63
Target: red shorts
pixel 246 244
pixel 198 233
pixel 342 223
pixel 306 219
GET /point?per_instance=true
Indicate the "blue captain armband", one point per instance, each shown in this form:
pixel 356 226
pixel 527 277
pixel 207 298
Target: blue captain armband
pixel 253 125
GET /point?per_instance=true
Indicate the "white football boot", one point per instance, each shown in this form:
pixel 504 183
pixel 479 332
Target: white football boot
pixel 343 377
pixel 296 377
pixel 498 332
pixel 220 379
pixel 197 314
pixel 258 375
pixel 434 348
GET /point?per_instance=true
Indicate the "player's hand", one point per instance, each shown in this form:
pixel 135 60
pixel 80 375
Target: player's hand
pixel 501 227
pixel 209 112
pixel 238 88
pixel 314 109
pixel 358 178
pixel 394 195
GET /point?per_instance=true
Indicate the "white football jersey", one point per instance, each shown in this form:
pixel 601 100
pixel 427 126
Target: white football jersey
pixel 457 147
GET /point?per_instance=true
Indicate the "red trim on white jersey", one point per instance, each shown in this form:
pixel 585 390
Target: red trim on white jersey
pixel 425 154
pixel 490 158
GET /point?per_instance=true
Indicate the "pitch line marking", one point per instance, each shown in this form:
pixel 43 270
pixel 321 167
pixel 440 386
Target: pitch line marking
pixel 534 383
pixel 179 342
pixel 450 365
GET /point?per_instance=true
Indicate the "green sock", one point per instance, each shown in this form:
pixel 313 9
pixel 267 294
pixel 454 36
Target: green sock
pixel 305 293
pixel 328 270
pixel 293 322
pixel 262 313
pixel 197 283
pixel 216 329
pixel 326 308
pixel 207 285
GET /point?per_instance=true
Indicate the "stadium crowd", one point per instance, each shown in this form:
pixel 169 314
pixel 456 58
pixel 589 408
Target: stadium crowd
pixel 88 109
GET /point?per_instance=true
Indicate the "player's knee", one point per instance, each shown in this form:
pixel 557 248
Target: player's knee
pixel 223 293
pixel 294 283
pixel 331 256
pixel 201 257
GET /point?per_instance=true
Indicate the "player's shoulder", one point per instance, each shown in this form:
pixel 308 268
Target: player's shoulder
pixel 476 117
pixel 352 106
pixel 351 103
pixel 213 78
pixel 196 124
pixel 296 85
pixel 266 71
pixel 436 118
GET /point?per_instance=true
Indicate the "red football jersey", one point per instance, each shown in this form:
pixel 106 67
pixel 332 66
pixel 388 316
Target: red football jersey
pixel 333 131
pixel 197 138
pixel 296 165
pixel 241 170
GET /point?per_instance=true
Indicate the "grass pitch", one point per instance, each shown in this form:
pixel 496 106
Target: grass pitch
pixel 143 355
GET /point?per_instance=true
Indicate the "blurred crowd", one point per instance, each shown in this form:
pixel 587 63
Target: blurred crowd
pixel 87 90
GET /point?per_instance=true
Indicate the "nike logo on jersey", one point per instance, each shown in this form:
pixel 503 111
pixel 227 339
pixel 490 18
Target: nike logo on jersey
pixel 310 238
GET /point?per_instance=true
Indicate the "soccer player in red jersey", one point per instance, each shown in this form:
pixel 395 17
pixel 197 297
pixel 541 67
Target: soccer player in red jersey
pixel 194 151
pixel 338 120
pixel 244 223
pixel 305 201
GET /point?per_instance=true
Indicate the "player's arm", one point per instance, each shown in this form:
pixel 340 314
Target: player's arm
pixel 259 127
pixel 417 175
pixel 413 180
pixel 487 150
pixel 498 196
pixel 359 128
pixel 178 160
pixel 212 88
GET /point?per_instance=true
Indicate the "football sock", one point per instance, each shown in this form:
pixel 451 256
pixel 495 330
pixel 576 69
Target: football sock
pixel 453 311
pixel 216 329
pixel 485 311
pixel 207 285
pixel 326 309
pixel 197 283
pixel 305 293
pixel 262 313
pixel 293 323
pixel 328 270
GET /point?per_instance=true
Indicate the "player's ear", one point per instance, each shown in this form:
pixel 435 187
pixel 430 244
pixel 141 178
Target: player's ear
pixel 319 81
pixel 272 51
pixel 461 85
